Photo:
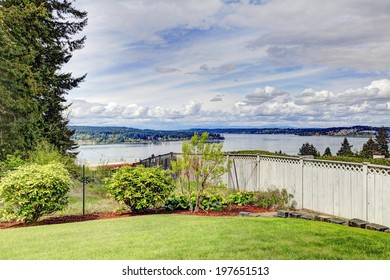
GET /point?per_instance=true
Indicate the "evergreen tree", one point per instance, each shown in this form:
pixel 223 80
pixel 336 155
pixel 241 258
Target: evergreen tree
pixel 308 150
pixel 327 152
pixel 49 47
pixel 382 141
pixel 19 84
pixel 345 149
pixel 368 149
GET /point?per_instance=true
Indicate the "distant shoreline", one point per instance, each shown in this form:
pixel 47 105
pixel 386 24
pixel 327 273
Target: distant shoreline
pixel 92 143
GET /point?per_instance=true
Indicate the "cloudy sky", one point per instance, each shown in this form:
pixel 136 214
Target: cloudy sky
pixel 172 64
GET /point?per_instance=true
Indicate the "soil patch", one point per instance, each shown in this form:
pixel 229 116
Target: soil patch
pixel 231 210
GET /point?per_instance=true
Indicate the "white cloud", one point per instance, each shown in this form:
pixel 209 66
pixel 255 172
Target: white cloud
pixel 82 109
pixel 135 111
pixel 322 107
pixel 266 59
pixel 309 96
pixel 192 108
pixel 262 95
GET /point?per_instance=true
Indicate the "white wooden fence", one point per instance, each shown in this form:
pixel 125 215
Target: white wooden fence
pixel 348 190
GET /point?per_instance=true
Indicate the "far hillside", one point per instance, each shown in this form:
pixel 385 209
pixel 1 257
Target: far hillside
pixel 353 131
pixel 116 135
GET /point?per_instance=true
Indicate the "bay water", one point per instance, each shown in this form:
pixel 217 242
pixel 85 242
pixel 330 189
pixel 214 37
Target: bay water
pixel 287 143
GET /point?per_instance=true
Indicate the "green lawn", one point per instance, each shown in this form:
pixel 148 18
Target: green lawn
pixel 167 237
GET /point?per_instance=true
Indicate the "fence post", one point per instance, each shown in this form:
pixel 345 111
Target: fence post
pixel 365 190
pixel 83 189
pixel 235 173
pixel 228 171
pixel 300 179
pixel 258 172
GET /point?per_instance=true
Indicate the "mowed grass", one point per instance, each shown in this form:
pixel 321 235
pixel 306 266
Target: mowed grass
pixel 173 237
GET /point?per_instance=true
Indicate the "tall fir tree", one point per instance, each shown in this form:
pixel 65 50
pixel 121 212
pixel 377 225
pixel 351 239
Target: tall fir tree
pixel 382 141
pixel 327 152
pixel 368 149
pixel 345 149
pixel 308 149
pixel 20 87
pixel 52 48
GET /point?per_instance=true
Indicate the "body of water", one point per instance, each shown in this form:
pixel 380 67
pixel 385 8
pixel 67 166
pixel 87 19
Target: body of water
pixel 289 144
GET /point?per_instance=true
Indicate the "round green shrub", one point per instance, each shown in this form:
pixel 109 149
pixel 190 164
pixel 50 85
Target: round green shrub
pixel 140 188
pixel 31 191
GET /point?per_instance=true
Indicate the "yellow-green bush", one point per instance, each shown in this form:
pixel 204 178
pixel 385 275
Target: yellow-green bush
pixel 31 191
pixel 140 188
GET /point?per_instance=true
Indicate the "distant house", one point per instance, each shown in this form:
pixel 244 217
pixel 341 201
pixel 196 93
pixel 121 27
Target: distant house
pixel 377 155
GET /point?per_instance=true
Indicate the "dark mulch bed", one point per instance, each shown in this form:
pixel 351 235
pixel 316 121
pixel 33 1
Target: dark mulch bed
pixel 231 210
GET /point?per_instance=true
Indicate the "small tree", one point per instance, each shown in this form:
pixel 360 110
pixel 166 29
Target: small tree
pixel 382 141
pixel 200 168
pixel 345 149
pixel 32 191
pixel 140 188
pixel 308 149
pixel 327 152
pixel 368 149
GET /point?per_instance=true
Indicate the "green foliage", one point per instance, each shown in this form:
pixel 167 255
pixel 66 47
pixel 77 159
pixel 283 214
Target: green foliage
pixel 208 202
pixel 177 202
pixel 368 149
pixel 241 198
pixel 345 149
pixel 140 188
pixel 32 191
pixel 264 199
pixel 200 168
pixel 11 162
pixel 19 83
pixel 382 141
pixel 327 152
pixel 35 43
pixel 212 202
pixel 44 153
pixel 308 149
pixel 272 199
pixel 110 135
pixel 385 162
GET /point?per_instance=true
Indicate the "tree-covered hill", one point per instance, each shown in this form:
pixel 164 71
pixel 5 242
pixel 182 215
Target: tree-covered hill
pixel 354 131
pixel 113 135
